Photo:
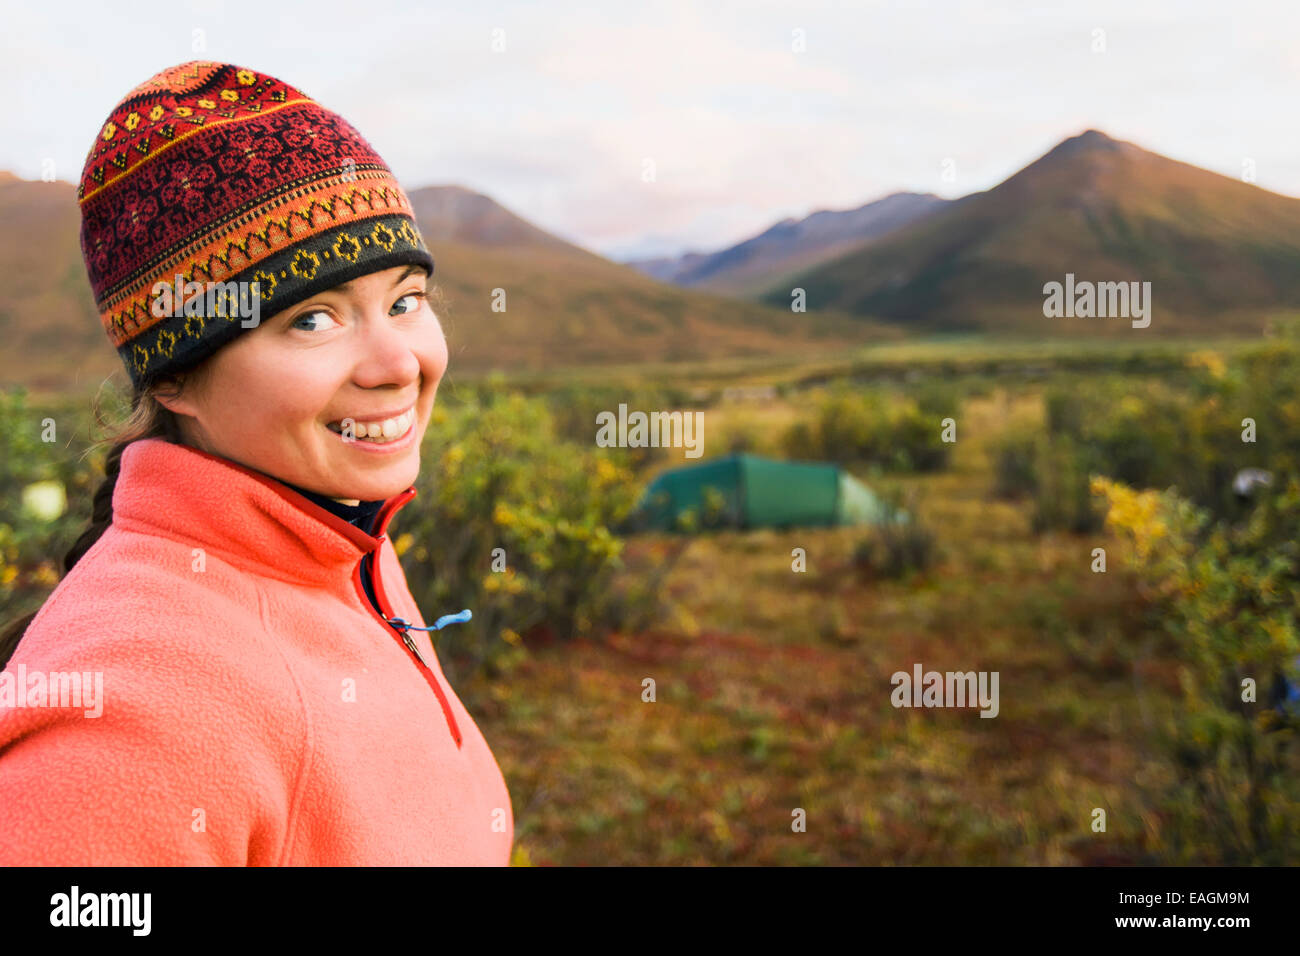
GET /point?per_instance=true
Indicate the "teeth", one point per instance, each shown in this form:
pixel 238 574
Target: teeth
pixel 379 432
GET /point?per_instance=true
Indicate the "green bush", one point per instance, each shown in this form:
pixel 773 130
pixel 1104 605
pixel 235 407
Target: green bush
pixel 1063 412
pixel 574 409
pixel 496 476
pixel 1062 496
pixel 53 475
pixel 937 401
pixel 870 428
pixel 1228 595
pixel 1187 433
pixel 901 545
pixel 1015 457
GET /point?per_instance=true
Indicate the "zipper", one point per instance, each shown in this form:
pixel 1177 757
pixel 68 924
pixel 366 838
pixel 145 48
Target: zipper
pixel 378 534
pixel 403 636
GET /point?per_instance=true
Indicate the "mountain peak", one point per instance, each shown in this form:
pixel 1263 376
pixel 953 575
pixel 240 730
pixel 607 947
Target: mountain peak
pixel 1093 137
pixel 1089 141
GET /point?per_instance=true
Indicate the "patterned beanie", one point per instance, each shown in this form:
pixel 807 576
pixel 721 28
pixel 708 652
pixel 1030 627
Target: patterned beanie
pixel 219 174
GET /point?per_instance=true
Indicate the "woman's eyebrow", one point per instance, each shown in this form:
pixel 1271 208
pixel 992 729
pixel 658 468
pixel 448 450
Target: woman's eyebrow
pixel 345 286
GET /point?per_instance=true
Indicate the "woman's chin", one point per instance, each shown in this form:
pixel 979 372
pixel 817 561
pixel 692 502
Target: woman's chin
pixel 374 487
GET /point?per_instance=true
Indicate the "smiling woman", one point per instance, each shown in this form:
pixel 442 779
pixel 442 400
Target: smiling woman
pixel 270 697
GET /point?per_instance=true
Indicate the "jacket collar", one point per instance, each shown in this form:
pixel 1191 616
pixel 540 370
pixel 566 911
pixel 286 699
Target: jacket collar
pixel 242 515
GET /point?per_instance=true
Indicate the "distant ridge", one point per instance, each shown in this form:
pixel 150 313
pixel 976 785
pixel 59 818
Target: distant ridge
pixel 791 245
pixel 1220 254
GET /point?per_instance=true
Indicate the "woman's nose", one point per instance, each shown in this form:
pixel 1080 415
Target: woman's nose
pixel 385 353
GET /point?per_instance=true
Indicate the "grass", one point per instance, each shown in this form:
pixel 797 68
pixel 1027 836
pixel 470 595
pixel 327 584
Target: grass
pixel 773 698
pixel 973 352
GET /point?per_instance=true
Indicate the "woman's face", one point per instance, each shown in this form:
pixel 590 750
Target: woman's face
pixel 367 351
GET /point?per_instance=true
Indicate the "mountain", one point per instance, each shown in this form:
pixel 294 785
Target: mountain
pixel 1220 254
pixel 564 305
pixel 791 246
pixel 453 213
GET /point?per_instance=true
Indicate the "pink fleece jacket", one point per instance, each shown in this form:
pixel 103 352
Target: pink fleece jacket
pixel 255 710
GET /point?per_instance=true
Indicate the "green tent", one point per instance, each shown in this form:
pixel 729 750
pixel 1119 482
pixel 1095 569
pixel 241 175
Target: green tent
pixel 746 491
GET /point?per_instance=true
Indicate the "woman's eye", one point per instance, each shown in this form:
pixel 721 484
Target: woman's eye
pixel 309 315
pixel 411 299
pixel 415 298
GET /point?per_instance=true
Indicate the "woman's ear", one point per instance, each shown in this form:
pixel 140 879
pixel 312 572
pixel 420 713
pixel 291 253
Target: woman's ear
pixel 174 393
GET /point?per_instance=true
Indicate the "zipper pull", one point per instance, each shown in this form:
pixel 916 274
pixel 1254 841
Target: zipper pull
pixel 458 618
pixel 405 627
pixel 406 639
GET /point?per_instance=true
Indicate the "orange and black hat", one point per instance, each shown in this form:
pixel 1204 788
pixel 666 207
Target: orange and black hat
pixel 221 174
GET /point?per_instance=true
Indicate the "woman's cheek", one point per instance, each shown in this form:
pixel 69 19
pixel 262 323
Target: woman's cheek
pixel 436 351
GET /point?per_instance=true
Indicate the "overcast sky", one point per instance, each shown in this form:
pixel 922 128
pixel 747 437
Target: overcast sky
pixel 742 128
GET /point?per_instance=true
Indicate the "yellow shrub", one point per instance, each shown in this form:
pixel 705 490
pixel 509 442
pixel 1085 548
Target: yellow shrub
pixel 1137 513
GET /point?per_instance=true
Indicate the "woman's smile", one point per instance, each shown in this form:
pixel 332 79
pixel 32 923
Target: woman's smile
pixel 381 428
pixel 382 436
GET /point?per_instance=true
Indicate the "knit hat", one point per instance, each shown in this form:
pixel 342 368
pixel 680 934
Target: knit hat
pixel 221 174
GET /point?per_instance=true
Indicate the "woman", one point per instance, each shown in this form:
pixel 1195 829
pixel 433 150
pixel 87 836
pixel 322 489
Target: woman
pixel 229 672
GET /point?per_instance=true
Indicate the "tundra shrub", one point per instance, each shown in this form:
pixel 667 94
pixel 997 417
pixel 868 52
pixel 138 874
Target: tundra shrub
pixel 1228 597
pixel 514 523
pixel 871 428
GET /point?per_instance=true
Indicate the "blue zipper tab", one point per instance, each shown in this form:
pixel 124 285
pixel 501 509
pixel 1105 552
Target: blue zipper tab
pixel 438 625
